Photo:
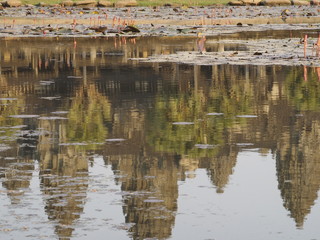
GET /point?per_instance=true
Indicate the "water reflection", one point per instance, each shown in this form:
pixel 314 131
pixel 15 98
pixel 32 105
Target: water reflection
pixel 59 105
pixel 63 176
pixel 150 192
pixel 298 168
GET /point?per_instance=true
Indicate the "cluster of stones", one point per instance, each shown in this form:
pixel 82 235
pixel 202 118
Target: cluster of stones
pixel 82 3
pixel 273 2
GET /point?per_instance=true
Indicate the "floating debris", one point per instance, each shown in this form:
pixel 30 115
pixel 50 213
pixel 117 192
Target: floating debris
pixel 24 116
pixel 73 144
pixel 31 133
pixel 153 200
pixel 183 123
pixel 244 144
pixel 130 29
pixel 204 146
pixel 246 116
pixel 214 114
pixel 4 147
pixel 52 118
pixel 115 140
pixel 46 82
pixel 74 77
pixel 27 145
pixel 60 112
pixel 50 98
pixel 100 29
pixel 18 126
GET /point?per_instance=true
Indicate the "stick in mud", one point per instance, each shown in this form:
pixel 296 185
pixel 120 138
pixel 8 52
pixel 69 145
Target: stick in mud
pixel 318 46
pixel 201 43
pixel 305 45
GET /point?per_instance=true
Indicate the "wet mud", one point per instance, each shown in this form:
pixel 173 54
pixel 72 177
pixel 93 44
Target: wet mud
pixel 288 51
pixel 142 21
pixel 198 22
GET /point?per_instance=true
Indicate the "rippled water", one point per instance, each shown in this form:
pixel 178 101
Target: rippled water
pixel 94 145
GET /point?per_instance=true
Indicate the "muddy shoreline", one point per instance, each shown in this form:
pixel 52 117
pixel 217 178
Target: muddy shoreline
pixel 79 22
pixel 46 22
pixel 288 51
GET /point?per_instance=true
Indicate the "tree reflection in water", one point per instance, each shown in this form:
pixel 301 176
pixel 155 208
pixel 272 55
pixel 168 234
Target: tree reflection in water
pixel 91 93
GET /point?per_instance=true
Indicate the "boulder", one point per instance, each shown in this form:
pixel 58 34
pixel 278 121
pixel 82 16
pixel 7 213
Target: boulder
pixel 251 2
pixel 275 3
pixel 315 2
pixel 244 3
pixel 86 3
pixel 43 4
pixel 13 3
pixel 104 3
pixel 126 3
pixel 236 3
pixel 300 3
pixel 67 3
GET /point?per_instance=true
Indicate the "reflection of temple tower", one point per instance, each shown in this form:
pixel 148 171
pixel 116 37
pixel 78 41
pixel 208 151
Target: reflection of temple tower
pixel 17 176
pixel 220 167
pixel 63 173
pixel 150 202
pixel 298 168
pixel 19 164
pixel 87 115
pixel 149 180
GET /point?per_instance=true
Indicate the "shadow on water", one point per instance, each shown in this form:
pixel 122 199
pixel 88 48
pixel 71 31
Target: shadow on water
pixel 65 104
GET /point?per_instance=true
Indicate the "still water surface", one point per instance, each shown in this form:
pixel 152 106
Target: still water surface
pixel 95 146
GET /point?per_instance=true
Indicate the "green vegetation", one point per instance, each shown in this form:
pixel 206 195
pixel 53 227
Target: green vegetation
pixel 302 85
pixel 87 115
pixel 8 108
pixel 205 130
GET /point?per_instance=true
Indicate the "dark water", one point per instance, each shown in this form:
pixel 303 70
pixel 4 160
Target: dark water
pixel 96 146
